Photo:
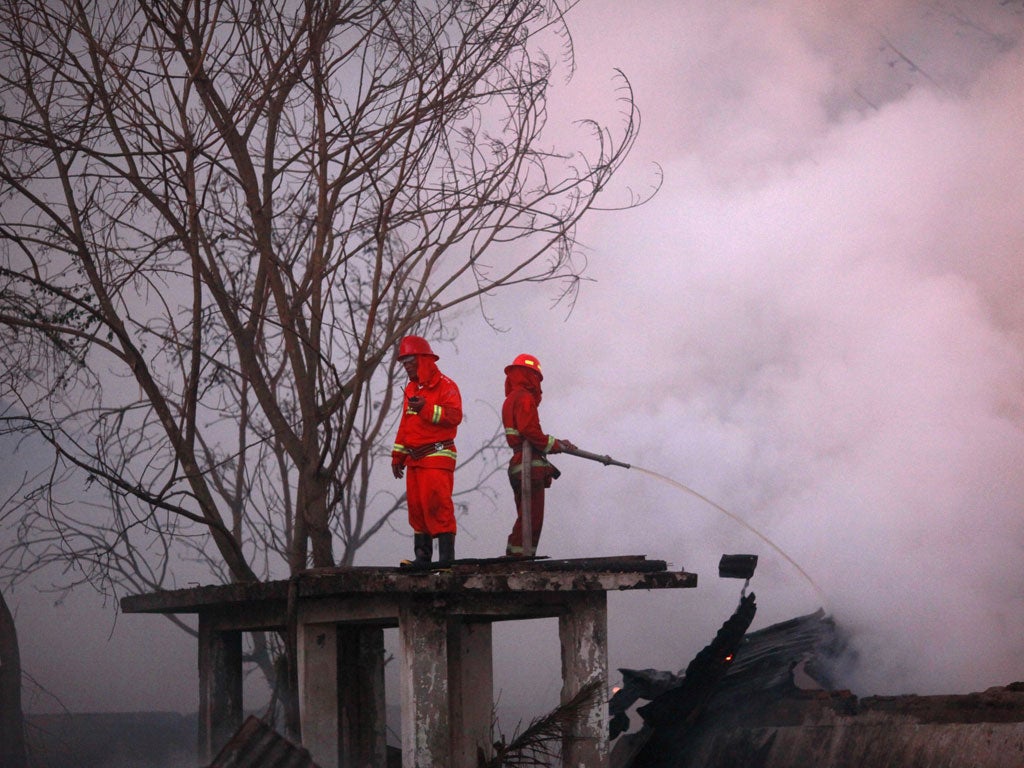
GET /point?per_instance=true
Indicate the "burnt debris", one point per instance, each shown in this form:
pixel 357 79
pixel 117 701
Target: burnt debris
pixel 732 680
pixel 669 714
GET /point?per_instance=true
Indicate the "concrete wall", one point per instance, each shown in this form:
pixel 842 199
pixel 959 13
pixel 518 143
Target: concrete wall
pixel 888 742
pixel 875 739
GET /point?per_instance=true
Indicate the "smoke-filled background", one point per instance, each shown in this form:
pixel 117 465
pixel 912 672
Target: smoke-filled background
pixel 816 323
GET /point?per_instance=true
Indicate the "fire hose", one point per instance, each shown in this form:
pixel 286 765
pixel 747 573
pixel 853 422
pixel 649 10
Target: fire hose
pixel 606 460
pixel 743 563
pixel 526 489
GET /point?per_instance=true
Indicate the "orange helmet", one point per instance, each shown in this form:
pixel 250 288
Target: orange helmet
pixel 415 345
pixel 526 361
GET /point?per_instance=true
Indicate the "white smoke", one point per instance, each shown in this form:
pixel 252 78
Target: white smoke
pixel 815 324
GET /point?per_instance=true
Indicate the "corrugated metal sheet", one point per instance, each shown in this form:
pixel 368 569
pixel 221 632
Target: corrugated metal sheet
pixel 257 745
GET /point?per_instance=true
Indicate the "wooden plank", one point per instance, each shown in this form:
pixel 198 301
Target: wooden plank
pixel 526 498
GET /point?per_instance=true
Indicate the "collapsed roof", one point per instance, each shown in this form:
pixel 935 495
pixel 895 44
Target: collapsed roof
pixel 733 676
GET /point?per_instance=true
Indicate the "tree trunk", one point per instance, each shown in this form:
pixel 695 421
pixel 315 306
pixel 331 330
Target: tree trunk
pixel 12 719
pixel 314 513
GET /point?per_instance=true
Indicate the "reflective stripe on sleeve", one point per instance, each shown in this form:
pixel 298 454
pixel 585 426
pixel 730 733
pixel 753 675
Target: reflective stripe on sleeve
pixel 437 415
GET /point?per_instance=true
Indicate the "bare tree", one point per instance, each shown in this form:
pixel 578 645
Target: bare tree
pixel 218 218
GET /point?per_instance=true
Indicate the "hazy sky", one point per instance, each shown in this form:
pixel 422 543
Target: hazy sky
pixel 815 323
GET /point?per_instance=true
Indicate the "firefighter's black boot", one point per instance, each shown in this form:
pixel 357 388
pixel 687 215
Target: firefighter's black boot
pixel 445 549
pixel 423 546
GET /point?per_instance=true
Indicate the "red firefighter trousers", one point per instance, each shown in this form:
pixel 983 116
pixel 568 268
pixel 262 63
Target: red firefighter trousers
pixel 539 480
pixel 429 495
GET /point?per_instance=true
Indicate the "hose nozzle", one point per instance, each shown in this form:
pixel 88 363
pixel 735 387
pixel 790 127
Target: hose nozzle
pixel 606 460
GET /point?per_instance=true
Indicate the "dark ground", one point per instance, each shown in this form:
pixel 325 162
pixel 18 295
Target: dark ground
pixel 112 740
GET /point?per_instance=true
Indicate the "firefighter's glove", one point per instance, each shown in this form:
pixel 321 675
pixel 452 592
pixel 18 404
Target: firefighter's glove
pixel 416 403
pixel 562 445
pixel 397 464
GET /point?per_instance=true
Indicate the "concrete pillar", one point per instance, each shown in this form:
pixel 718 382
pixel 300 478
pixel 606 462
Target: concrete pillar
pixel 341 694
pixel 220 687
pixel 423 631
pixel 583 632
pixel 361 701
pixel 317 648
pixel 471 690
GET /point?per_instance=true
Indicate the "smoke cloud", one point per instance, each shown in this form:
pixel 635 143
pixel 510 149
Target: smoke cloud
pixel 816 323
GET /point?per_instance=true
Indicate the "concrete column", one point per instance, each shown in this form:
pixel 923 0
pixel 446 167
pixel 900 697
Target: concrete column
pixel 471 690
pixel 220 687
pixel 317 647
pixel 423 631
pixel 583 632
pixel 361 701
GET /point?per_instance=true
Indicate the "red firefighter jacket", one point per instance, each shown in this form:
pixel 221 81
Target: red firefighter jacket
pixel 521 420
pixel 426 439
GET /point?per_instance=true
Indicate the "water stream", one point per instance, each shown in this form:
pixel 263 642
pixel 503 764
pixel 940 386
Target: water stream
pixel 741 521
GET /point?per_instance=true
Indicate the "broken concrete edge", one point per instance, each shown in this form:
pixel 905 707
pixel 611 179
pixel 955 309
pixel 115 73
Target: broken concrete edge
pixel 500 576
pixel 820 708
pixel 200 598
pixel 998 704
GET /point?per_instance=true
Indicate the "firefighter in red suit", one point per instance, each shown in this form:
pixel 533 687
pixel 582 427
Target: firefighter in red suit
pixel 522 422
pixel 425 450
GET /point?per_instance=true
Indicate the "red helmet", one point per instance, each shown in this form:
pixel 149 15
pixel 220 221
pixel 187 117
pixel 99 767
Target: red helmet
pixel 415 345
pixel 526 361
